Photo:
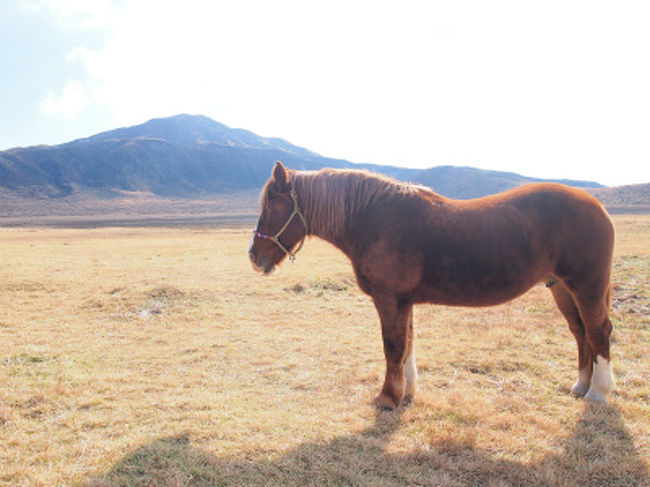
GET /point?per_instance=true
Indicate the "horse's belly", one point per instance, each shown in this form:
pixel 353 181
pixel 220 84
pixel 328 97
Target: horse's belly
pixel 469 297
pixel 479 288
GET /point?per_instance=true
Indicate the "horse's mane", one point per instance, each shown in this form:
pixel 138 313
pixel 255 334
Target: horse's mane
pixel 331 197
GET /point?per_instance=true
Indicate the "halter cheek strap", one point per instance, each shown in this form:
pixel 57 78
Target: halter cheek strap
pixel 276 238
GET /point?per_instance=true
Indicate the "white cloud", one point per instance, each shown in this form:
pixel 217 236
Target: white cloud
pixel 72 101
pixel 557 89
pixel 88 14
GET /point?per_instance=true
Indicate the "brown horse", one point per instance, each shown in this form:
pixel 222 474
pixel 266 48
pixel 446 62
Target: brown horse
pixel 410 245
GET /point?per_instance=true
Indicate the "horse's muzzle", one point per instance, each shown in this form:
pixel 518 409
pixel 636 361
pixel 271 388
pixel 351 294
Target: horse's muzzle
pixel 263 265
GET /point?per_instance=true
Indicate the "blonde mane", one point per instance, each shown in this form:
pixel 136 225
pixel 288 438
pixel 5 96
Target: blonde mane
pixel 329 198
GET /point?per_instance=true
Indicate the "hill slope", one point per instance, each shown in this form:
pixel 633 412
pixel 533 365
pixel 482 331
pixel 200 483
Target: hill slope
pixel 191 155
pixel 178 156
pixel 634 198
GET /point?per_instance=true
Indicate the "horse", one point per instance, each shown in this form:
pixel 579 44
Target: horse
pixel 410 245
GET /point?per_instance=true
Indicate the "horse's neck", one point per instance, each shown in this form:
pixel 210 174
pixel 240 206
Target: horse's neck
pixel 323 203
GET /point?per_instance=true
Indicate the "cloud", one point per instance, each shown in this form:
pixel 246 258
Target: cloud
pixel 259 64
pixel 72 101
pixel 558 88
pixel 74 13
pixel 161 59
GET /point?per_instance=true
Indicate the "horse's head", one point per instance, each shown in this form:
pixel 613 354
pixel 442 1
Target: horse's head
pixel 281 226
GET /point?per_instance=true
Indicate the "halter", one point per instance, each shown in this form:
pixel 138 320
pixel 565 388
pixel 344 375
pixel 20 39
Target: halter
pixel 276 238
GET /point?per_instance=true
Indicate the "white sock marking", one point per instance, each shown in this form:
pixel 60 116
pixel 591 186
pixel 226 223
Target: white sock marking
pixel 602 380
pixel 410 374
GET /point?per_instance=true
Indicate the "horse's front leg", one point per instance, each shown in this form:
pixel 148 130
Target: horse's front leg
pixel 397 332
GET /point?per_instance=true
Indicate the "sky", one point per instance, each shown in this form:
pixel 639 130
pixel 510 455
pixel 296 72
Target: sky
pixel 551 89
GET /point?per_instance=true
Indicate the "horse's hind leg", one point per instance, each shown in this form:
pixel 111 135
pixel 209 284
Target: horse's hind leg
pixel 568 307
pixel 598 328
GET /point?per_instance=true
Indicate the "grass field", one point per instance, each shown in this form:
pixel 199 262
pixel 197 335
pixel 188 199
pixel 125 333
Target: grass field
pixel 157 357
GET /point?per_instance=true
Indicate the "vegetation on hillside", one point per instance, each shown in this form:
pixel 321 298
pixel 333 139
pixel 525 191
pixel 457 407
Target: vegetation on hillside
pixel 634 198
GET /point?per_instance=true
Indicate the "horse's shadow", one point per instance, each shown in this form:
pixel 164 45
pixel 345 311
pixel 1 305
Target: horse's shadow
pixel 600 452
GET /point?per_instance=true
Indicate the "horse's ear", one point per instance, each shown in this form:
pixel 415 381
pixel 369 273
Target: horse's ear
pixel 281 177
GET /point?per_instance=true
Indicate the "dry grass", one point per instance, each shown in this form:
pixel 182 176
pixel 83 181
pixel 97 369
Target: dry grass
pixel 156 357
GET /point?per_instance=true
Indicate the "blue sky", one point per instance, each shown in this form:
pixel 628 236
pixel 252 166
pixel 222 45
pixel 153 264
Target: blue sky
pixel 555 89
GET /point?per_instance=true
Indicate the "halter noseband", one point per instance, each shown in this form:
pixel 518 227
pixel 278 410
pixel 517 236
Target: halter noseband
pixel 276 238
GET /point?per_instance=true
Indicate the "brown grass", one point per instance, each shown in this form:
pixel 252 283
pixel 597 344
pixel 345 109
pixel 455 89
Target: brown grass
pixel 156 357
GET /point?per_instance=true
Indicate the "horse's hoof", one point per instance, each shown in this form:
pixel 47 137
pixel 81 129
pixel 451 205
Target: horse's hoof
pixel 409 393
pixel 383 401
pixel 579 389
pixel 594 396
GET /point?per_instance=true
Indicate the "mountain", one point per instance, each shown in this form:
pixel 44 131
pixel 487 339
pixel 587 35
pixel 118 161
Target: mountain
pixel 633 198
pixel 189 156
pixel 177 156
pixel 189 130
pixel 469 182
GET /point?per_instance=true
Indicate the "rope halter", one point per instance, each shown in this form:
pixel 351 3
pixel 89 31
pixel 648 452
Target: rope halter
pixel 276 238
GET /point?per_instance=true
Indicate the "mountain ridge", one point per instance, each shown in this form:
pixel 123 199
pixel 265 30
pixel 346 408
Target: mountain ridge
pixel 193 156
pixel 203 130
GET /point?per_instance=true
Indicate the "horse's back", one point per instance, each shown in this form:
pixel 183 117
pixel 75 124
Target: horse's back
pixel 554 209
pixel 489 250
pixel 566 225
